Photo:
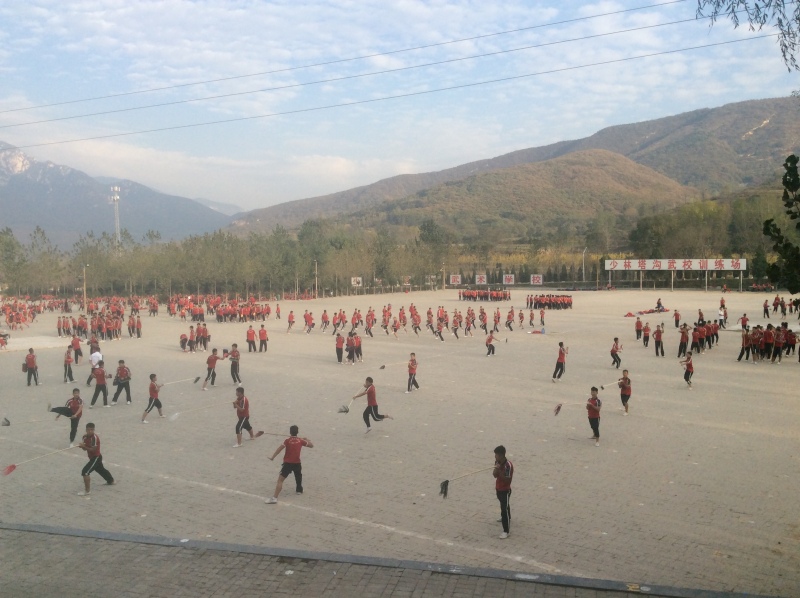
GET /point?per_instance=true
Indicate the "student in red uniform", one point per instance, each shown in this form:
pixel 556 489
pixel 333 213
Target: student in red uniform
pixel 291 462
pixel 412 373
pixel 251 340
pixel 91 444
pixel 624 390
pixel 490 344
pixel 503 473
pixel 677 317
pixel 73 409
pixel 153 401
pixel 561 362
pixel 211 371
pixel 123 381
pixel 234 356
pixel 68 365
pixel 638 327
pixel 615 349
pixel 31 368
pixel 593 406
pixel 100 376
pixel 263 337
pixel 339 348
pixel 744 320
pixel 290 319
pixel 372 404
pixel 242 406
pixel 646 334
pixel 659 343
pixel 689 367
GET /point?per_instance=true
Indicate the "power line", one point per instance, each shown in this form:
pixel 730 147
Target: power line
pixel 346 77
pixel 343 60
pixel 393 97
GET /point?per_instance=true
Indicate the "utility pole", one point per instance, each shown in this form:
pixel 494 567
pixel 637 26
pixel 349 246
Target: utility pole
pixel 316 281
pixel 584 263
pixel 115 200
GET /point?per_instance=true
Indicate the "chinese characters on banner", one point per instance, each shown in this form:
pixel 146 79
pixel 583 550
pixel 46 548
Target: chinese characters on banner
pixel 508 279
pixel 355 281
pixel 480 279
pixel 692 264
pixel 455 279
pixel 537 279
pixel 407 281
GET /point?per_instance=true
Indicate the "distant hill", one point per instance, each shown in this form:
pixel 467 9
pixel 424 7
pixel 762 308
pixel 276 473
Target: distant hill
pixel 67 202
pixel 534 200
pixel 715 150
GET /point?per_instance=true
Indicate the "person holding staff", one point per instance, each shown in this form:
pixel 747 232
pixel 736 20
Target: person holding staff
pixel 561 362
pixel 372 404
pixel 291 462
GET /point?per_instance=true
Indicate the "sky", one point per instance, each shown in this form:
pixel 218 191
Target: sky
pixel 326 96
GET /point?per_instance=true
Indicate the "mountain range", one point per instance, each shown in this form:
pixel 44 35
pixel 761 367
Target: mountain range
pixel 625 170
pixel 713 149
pixel 67 203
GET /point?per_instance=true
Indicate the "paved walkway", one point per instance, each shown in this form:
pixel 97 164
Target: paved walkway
pixel 47 561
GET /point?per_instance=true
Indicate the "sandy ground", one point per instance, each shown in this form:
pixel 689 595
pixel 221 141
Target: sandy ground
pixel 695 488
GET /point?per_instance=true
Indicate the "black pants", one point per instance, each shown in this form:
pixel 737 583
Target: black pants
pixel 339 353
pixel 412 381
pixel 372 410
pixel 617 361
pixel 297 470
pixel 68 373
pixel 126 386
pixel 100 388
pixel 211 374
pixel 235 372
pixel 489 349
pixel 638 335
pixel 73 423
pixel 660 348
pixel 745 352
pixel 559 370
pixel 262 346
pixel 681 349
pixel 96 464
pixel 243 424
pixel 504 496
pixel 33 374
pixel 646 340
pixel 594 423
pixel 251 346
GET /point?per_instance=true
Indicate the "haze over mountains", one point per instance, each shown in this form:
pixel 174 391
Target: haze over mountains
pixel 625 170
pixel 715 150
pixel 67 202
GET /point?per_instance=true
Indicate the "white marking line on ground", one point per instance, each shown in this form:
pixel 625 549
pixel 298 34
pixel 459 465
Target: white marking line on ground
pixel 345 518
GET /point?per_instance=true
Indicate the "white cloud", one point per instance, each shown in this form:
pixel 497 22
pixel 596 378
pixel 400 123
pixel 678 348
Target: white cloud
pixel 55 51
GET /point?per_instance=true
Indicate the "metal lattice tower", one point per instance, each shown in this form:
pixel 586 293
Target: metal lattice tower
pixel 115 200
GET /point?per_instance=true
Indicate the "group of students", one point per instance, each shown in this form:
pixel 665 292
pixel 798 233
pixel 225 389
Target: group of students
pixel 768 343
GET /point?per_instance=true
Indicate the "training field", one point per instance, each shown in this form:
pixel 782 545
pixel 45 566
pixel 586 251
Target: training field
pixel 695 488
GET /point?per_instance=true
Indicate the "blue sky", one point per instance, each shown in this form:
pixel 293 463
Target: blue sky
pixel 55 51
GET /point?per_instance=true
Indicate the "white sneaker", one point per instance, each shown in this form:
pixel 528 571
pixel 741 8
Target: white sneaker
pixel 162 416
pixel 407 392
pixel 271 501
pixel 597 444
pixel 106 406
pixel 504 535
pixel 144 421
pixel 84 493
pixel 237 446
pixel 626 413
